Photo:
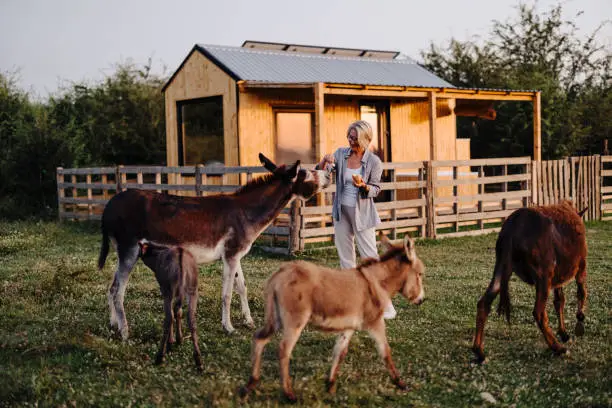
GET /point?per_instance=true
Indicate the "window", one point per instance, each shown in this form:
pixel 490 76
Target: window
pixel 200 135
pixel 294 137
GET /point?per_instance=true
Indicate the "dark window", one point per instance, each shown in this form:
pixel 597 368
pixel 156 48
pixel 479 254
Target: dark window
pixel 201 131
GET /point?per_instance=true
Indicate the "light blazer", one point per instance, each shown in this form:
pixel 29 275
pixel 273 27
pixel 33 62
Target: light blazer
pixel 366 215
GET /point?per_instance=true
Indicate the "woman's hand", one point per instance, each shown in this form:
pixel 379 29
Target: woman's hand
pixel 327 159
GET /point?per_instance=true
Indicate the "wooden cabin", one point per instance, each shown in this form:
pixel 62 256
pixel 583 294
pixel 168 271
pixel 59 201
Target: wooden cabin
pixel 226 104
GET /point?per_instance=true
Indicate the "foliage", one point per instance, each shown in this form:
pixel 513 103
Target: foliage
pixel 56 348
pixel 118 121
pixel 541 51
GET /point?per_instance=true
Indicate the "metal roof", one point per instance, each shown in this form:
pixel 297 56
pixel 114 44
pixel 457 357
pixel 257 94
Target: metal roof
pixel 295 67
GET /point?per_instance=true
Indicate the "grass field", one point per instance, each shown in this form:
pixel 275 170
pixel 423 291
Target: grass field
pixel 56 348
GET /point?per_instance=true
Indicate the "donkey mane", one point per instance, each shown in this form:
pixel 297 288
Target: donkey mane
pixel 255 184
pixel 392 253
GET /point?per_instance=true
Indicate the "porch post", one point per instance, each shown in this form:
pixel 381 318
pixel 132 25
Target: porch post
pixel 319 96
pixel 537 127
pixel 433 143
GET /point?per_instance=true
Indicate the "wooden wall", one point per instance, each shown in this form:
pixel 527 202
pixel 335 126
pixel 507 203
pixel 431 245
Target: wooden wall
pixel 256 120
pixel 410 131
pixel 199 78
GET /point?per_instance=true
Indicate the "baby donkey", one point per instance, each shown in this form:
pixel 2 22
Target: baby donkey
pixel 177 274
pixel 340 301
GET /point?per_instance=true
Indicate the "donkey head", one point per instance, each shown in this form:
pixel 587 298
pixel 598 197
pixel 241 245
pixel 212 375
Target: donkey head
pixel 304 183
pixel 411 268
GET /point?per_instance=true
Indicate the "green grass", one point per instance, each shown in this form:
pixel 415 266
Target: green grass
pixel 56 348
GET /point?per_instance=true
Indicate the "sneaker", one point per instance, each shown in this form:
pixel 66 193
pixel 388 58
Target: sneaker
pixel 389 312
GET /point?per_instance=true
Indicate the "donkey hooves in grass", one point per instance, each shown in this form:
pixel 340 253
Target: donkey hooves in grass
pixel 400 384
pixel 563 336
pixel 579 330
pixel 159 359
pixel 479 356
pixel 559 350
pixel 198 362
pixel 290 397
pixel 250 324
pixel 331 387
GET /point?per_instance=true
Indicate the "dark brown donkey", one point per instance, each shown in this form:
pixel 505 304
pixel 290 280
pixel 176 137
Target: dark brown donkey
pixel 212 227
pixel 176 272
pixel 340 301
pixel 546 247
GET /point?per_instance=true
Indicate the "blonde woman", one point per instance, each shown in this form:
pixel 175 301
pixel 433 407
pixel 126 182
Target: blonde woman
pixel 358 173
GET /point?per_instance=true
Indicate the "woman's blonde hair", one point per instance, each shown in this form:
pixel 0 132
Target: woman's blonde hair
pixel 364 132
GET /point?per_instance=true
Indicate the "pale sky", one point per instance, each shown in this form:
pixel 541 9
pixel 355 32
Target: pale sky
pixel 50 42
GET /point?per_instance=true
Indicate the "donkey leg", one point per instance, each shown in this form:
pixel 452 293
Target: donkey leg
pixel 178 316
pixel 167 330
pixel 559 303
pixel 244 302
pixel 377 332
pixel 229 273
pixel 340 350
pixel 483 310
pixel 290 337
pixel 127 259
pixel 582 296
pixel 541 317
pixel 261 337
pixel 191 322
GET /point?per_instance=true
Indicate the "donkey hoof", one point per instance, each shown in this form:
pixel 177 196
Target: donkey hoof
pixel 400 384
pixel 331 387
pixel 290 396
pixel 564 336
pixel 250 323
pixel 579 330
pixel 479 356
pixel 198 362
pixel 229 329
pixel 125 333
pixel 559 350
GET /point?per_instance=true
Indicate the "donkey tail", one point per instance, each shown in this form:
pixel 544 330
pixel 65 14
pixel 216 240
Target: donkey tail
pixel 104 249
pixel 272 318
pixel 503 270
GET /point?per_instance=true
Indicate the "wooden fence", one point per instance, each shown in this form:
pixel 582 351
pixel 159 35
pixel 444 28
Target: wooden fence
pixel 428 199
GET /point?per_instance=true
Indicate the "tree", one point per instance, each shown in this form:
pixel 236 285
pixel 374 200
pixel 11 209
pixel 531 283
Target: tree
pixel 533 51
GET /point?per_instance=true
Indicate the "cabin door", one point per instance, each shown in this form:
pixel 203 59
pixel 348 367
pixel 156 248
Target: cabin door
pixel 294 137
pixel 377 114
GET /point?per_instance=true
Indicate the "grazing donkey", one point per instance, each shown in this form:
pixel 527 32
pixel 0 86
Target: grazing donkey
pixel 212 227
pixel 177 274
pixel 546 247
pixel 337 301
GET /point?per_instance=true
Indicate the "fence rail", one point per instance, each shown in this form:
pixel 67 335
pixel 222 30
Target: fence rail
pixel 428 199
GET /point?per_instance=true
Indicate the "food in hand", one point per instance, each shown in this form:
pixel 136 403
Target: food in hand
pixel 357 179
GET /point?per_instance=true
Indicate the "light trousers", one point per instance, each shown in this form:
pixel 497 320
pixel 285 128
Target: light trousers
pixel 345 235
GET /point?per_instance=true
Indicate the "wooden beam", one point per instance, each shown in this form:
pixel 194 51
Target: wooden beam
pixel 432 126
pixel 537 127
pixel 319 102
pixel 243 86
pixel 360 91
pixel 488 96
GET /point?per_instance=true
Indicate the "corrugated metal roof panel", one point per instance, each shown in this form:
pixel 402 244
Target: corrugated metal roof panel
pixel 293 67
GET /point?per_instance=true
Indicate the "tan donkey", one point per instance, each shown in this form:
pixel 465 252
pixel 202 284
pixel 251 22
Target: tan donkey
pixel 340 301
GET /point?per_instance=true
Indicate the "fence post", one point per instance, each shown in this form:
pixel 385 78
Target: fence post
pixel 598 185
pixel 393 198
pixel 429 196
pixel 198 180
pixel 295 224
pixel 118 183
pixel 60 192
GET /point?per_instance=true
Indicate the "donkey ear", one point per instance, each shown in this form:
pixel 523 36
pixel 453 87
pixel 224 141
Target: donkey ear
pixel 267 163
pixel 581 213
pixel 409 247
pixel 386 244
pixel 291 173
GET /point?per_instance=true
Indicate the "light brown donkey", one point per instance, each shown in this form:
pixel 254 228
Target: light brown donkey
pixel 340 301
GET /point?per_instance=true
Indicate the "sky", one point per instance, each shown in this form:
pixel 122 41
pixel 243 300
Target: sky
pixel 47 44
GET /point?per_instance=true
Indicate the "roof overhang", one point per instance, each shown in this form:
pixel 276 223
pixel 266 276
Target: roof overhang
pixel 397 91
